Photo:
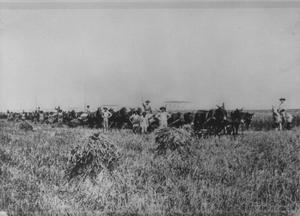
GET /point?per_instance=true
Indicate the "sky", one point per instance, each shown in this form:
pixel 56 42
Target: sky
pixel 246 57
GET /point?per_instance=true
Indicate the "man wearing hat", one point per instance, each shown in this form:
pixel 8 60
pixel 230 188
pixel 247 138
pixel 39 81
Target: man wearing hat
pixel 35 116
pixel 281 106
pixel 60 116
pixel 147 107
pixel 42 116
pixel 144 123
pixel 87 109
pixel 23 116
pixel 163 117
pixel 106 115
pixel 282 110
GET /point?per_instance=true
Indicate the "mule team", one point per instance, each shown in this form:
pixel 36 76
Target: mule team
pixel 144 120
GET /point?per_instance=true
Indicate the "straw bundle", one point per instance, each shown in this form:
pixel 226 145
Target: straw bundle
pixel 172 139
pixel 25 126
pixel 96 154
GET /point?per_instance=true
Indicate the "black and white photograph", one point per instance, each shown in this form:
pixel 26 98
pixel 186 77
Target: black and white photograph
pixel 149 107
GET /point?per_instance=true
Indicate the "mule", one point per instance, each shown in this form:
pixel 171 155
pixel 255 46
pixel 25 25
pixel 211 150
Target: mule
pixel 239 118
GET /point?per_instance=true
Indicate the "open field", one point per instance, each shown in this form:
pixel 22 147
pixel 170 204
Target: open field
pixel 254 174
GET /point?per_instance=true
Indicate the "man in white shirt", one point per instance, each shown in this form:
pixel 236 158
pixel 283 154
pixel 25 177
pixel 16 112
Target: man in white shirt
pixel 106 115
pixel 147 107
pixel 163 117
pixel 144 123
pixel 87 109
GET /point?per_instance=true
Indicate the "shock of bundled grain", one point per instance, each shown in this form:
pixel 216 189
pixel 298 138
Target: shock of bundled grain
pixel 24 125
pixel 88 159
pixel 172 139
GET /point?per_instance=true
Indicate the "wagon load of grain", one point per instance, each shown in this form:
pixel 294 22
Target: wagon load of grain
pixel 172 139
pixel 88 159
pixel 24 125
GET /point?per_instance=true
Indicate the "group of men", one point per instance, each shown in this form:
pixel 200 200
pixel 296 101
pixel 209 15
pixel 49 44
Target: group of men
pixel 40 116
pixel 105 115
pixel 140 121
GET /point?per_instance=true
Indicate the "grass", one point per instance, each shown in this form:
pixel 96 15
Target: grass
pixel 254 174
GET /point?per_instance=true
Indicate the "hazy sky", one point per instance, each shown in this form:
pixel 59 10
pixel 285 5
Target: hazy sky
pixel 244 57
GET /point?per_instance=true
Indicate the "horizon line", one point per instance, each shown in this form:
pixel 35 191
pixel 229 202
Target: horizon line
pixel 69 109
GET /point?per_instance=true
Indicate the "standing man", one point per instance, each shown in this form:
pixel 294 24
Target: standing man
pixel 60 116
pixel 144 123
pixel 281 106
pixel 42 117
pixel 36 115
pixel 57 112
pixel 147 107
pixel 87 109
pixel 281 109
pixel 163 117
pixel 23 115
pixel 106 115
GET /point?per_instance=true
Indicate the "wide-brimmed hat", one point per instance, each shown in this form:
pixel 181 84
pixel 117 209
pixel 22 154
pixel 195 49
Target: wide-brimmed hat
pixel 162 108
pixel 147 101
pixel 282 99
